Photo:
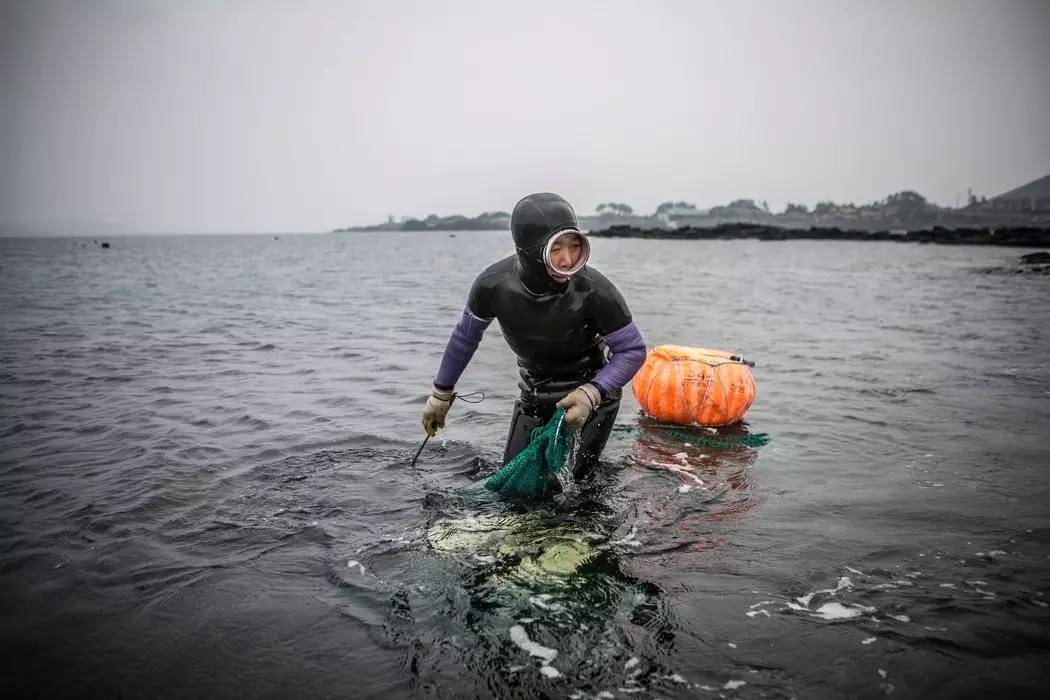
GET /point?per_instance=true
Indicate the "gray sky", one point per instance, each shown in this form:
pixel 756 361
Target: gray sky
pixel 289 116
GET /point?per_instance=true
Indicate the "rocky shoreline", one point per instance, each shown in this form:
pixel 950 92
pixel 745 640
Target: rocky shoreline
pixel 1022 236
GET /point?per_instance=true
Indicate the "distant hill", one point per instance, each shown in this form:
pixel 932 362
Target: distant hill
pixel 1036 189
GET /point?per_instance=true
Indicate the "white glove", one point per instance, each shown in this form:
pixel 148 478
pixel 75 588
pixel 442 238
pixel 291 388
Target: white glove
pixel 579 404
pixel 436 409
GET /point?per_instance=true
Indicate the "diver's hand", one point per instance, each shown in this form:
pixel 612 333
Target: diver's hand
pixel 436 409
pixel 579 404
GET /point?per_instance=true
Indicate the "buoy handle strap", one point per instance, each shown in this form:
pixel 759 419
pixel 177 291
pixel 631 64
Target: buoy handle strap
pixel 737 358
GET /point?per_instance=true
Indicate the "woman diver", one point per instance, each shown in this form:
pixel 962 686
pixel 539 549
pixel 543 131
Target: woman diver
pixel 568 325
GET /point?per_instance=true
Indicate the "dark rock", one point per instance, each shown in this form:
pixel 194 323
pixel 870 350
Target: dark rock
pixel 1025 236
pixel 1042 258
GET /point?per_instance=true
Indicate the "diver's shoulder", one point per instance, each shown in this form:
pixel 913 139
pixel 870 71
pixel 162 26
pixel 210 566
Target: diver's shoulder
pixel 595 278
pixel 496 271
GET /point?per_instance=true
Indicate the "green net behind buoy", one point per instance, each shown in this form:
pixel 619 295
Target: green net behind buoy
pixel 529 474
pixel 749 440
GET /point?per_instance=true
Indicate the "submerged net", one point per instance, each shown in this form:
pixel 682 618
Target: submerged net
pixel 748 440
pixel 529 474
pixel 689 434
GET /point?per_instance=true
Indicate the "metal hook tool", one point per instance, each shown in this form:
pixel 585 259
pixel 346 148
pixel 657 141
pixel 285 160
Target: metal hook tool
pixel 450 402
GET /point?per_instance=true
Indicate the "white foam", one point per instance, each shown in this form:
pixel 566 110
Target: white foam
pixel 854 571
pixel 805 599
pixel 733 685
pixel 882 673
pixel 550 671
pixel 677 678
pixel 631 663
pixel 752 613
pixel 540 601
pixel 838 611
pixel 630 539
pixel 1040 603
pixel 997 553
pixel 632 690
pixel 521 638
pixel 901 618
pixel 869 640
pixel 731 645
pixel 353 562
pixel 947 585
pixel 764 602
pixel 606 695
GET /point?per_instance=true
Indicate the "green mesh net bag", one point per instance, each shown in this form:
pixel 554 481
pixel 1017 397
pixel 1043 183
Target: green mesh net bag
pixel 529 474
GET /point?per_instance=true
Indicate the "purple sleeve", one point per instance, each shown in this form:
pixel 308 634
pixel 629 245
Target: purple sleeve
pixel 461 346
pixel 628 354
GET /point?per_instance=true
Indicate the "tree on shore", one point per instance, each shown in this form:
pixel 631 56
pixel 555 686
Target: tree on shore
pixel 911 206
pixel 615 208
pixel 738 206
pixel 671 206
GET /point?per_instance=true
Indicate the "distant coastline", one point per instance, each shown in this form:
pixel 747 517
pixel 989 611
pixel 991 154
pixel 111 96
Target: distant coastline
pixel 905 211
pixel 1019 236
pixel 486 221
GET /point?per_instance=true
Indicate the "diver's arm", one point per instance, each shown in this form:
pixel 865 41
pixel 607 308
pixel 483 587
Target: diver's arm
pixel 461 347
pixel 628 354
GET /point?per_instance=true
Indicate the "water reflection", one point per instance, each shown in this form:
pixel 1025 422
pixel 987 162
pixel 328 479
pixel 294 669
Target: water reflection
pixel 717 485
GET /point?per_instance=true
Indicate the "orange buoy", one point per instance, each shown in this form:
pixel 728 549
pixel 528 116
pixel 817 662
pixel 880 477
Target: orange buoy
pixel 694 386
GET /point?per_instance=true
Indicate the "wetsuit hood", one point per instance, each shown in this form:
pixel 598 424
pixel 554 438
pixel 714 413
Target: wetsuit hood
pixel 535 220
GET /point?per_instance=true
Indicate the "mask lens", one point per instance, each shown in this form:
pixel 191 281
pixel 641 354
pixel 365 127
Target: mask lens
pixel 573 251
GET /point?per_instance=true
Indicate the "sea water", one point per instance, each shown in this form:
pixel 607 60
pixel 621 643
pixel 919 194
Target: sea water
pixel 206 486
